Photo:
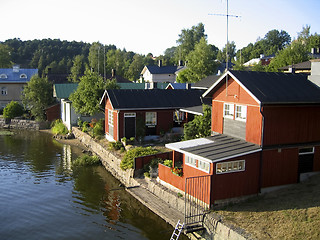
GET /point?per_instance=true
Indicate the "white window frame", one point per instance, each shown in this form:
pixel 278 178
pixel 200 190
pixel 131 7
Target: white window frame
pixel 303 152
pixel 230 167
pixel 190 161
pixel 151 118
pixel 228 110
pixel 178 116
pixel 204 166
pixel 4 91
pixel 198 164
pixel 23 75
pixel 242 114
pixel 110 117
pixel 3 75
pixel 130 115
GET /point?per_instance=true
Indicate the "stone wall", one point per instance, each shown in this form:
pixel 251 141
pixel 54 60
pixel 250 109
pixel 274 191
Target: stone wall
pixel 23 124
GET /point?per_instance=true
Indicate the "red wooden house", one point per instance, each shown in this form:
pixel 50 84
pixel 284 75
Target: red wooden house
pixel 151 111
pixel 265 132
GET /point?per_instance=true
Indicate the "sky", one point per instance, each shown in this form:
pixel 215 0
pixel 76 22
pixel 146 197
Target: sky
pixel 150 26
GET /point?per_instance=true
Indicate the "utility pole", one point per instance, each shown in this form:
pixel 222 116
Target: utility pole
pixel 226 15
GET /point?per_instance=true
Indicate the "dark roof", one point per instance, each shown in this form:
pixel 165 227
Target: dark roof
pixel 298 66
pixel 197 110
pixel 153 98
pixel 274 87
pixel 154 69
pixel 206 82
pixel 63 90
pixel 17 74
pixel 215 148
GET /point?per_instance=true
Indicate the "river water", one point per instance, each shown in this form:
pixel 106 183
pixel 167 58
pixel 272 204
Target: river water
pixel 43 197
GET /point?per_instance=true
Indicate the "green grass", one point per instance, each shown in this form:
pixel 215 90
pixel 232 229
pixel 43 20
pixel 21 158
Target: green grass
pixel 86 160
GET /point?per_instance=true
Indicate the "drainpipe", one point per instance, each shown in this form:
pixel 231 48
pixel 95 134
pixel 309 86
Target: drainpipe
pixel 118 132
pixel 261 145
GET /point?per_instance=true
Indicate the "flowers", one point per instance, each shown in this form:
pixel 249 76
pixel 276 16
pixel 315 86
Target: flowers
pixel 177 171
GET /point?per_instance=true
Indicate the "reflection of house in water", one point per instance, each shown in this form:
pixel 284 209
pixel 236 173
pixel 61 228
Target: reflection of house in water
pixel 66 157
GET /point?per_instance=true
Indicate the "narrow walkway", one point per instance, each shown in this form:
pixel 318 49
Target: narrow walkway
pixel 155 204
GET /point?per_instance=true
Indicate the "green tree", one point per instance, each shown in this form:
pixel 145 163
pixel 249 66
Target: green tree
pixel 294 53
pixel 200 126
pixel 276 41
pixel 201 63
pixel 96 57
pixel 187 41
pixel 86 98
pixel 77 68
pixel 37 96
pixel 5 57
pixel 12 110
pixel 222 54
pixel 135 68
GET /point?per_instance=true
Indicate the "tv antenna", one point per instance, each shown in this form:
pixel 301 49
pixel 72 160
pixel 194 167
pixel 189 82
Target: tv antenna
pixel 226 15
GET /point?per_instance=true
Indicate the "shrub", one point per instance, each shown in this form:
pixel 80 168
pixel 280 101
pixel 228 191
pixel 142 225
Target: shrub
pixel 12 110
pixel 84 126
pixel 57 127
pixel 115 145
pixel 127 161
pixel 98 129
pixel 168 163
pixel 86 160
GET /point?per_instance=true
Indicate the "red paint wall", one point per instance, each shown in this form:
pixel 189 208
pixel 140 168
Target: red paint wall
pixel 289 125
pixel 279 168
pixel 236 184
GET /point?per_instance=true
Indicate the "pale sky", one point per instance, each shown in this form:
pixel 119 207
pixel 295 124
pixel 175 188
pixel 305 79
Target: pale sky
pixel 150 26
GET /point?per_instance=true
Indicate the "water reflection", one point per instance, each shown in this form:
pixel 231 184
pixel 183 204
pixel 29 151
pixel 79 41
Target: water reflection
pixel 43 197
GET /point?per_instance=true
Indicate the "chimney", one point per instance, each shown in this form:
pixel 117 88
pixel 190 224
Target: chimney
pixel 160 63
pixel 180 63
pixel 16 68
pixel 315 72
pixel 292 69
pixel 113 73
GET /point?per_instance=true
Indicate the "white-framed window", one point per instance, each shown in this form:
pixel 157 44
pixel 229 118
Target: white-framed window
pixel 3 75
pixel 151 118
pixel 130 115
pixel 241 113
pixel 23 75
pixel 228 110
pixel 190 161
pixel 307 150
pixel 232 166
pixel 110 117
pixel 199 164
pixel 204 166
pixel 4 91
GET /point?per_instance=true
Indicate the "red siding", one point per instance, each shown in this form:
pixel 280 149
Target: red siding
pixel 217 117
pixel 279 167
pixel 289 125
pixel 236 184
pixel 253 125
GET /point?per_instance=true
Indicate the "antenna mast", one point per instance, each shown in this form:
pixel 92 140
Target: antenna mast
pixel 226 15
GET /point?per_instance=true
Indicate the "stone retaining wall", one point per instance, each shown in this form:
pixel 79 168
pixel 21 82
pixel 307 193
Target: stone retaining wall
pixel 23 124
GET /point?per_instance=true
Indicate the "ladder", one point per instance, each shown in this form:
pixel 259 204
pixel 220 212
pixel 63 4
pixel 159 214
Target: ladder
pixel 176 232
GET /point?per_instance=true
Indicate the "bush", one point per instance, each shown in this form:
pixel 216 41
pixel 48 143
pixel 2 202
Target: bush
pixel 86 160
pixel 168 163
pixel 57 127
pixel 98 129
pixel 12 110
pixel 127 161
pixel 115 145
pixel 84 127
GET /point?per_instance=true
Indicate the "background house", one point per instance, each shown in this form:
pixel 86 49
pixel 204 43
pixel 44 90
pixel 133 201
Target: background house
pixel 161 74
pixel 137 112
pixel 265 132
pixel 12 82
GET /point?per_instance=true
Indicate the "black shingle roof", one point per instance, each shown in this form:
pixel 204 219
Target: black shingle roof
pixel 217 148
pixel 276 88
pixel 163 69
pixel 207 82
pixel 153 98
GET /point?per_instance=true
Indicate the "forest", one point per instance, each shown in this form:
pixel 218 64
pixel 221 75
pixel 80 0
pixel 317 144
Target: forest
pixel 73 58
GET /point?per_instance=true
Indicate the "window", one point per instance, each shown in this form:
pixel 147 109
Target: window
pixel 228 110
pixel 202 165
pixel 110 122
pixel 232 166
pixel 3 76
pixel 151 118
pixel 191 161
pixel 241 113
pixel 309 150
pixel 23 76
pixel 4 91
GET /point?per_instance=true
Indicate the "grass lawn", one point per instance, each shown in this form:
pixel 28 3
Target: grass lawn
pixel 288 213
